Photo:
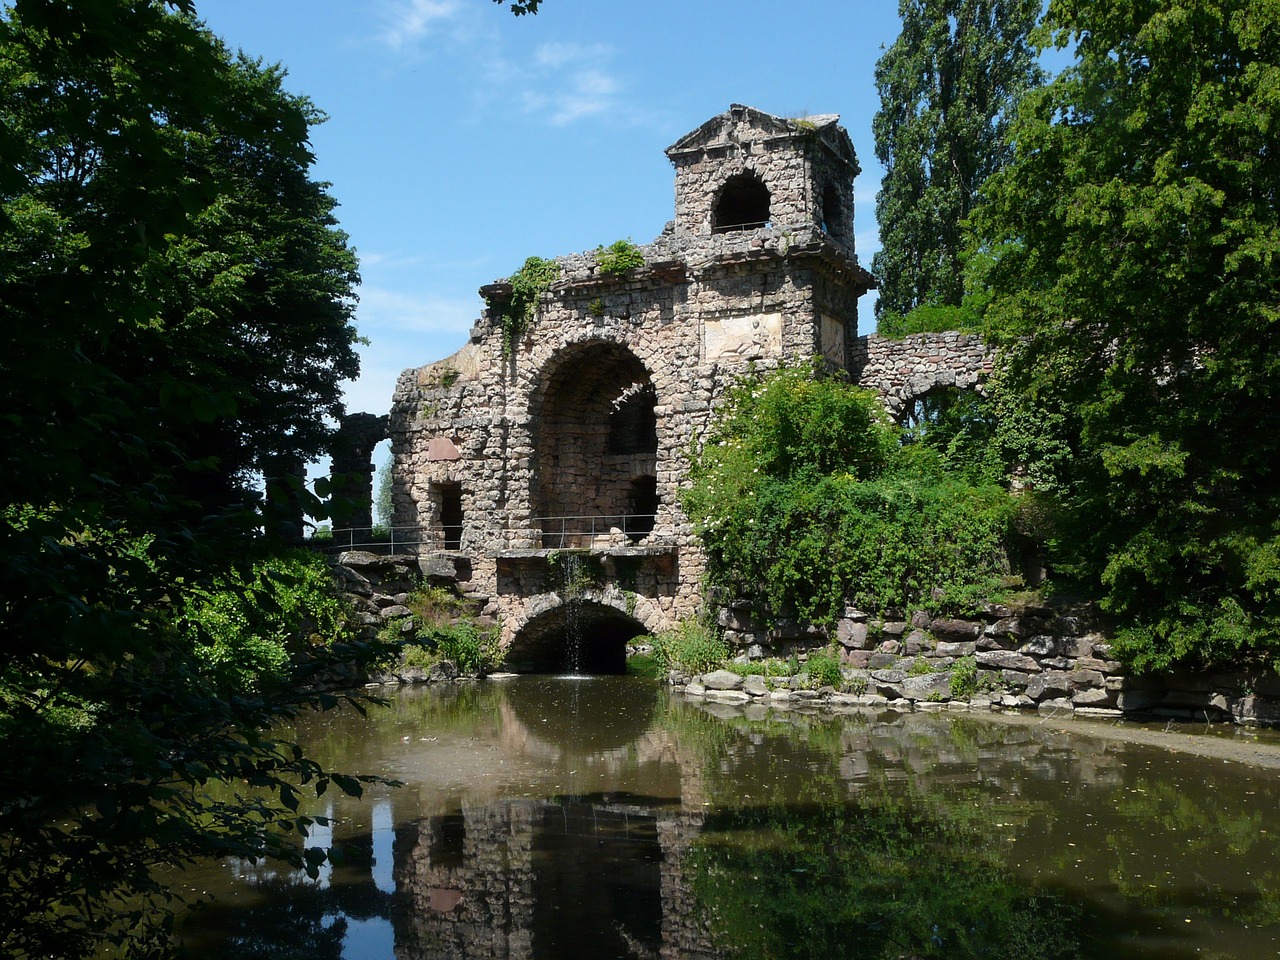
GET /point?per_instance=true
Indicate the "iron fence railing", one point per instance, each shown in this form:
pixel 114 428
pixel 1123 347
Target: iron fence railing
pixel 547 533
pixel 560 533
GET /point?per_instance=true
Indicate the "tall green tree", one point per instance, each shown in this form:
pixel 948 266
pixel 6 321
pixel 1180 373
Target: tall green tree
pixel 1139 293
pixel 947 86
pixel 175 307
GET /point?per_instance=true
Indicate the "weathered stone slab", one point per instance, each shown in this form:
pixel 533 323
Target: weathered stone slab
pixel 1006 660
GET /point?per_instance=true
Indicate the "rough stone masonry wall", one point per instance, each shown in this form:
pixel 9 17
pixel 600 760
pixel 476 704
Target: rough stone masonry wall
pixel 901 369
pixel 509 430
pixel 1033 658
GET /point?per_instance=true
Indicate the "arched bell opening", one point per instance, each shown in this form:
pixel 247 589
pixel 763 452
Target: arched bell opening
pixel 580 636
pixel 743 204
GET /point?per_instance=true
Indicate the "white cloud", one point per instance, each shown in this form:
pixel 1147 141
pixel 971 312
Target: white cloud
pixel 408 21
pixel 567 82
pixel 396 312
pixel 556 55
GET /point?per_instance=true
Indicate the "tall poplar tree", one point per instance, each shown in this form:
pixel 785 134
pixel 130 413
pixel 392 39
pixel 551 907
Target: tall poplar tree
pixel 947 87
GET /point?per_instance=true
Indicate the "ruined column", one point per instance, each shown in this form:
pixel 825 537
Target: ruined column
pixel 352 472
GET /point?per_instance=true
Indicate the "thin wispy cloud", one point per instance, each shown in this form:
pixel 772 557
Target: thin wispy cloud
pixel 394 312
pixel 571 82
pixel 409 21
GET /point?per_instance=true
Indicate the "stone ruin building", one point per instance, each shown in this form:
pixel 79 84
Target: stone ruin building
pixel 548 475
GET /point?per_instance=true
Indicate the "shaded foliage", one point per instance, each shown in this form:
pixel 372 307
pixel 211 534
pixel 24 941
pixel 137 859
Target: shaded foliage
pixel 1139 298
pixel 175 307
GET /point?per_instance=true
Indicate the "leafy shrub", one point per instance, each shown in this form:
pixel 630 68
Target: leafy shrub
pixel 416 655
pixel 824 669
pixel 806 501
pixel 769 667
pixel 919 667
pixel 692 646
pixel 474 649
pixel 249 625
pixel 435 605
pixel 964 678
pixel 619 257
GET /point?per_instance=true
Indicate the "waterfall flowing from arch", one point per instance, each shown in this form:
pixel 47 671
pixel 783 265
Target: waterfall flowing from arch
pixel 572 573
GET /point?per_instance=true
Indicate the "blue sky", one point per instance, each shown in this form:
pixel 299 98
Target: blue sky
pixel 462 139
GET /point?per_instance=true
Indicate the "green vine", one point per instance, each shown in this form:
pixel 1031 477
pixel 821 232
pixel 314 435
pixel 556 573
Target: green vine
pixel 619 257
pixel 528 284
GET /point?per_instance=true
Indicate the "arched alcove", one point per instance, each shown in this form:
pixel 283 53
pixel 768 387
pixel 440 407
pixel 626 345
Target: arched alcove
pixel 546 643
pixel 945 416
pixel 595 438
pixel 742 204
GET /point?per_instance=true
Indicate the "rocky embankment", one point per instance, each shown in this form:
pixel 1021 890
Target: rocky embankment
pixel 1024 658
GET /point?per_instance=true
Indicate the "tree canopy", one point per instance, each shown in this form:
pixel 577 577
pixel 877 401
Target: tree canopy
pixel 175 322
pixel 947 89
pixel 1138 293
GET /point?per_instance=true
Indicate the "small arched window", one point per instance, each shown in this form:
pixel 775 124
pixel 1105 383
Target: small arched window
pixel 743 204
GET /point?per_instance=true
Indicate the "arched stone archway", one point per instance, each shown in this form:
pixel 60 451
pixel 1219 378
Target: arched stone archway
pixel 742 203
pixel 595 442
pixel 601 629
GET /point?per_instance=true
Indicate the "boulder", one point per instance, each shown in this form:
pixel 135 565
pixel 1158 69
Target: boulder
pixel 722 680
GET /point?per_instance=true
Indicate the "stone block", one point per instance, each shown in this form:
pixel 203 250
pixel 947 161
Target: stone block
pixel 964 648
pixel 1056 707
pixel 1006 660
pixel 1042 686
pixel 1041 645
pixel 879 661
pixel 929 686
pixel 859 659
pixel 1094 697
pixel 955 629
pixel 1130 700
pixel 1086 678
pixel 851 634
pixel 755 686
pixel 1256 711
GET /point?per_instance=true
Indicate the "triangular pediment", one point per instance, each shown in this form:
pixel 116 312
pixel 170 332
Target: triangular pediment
pixel 741 124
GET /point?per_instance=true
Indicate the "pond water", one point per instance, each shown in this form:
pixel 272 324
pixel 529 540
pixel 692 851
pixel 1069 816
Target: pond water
pixel 608 817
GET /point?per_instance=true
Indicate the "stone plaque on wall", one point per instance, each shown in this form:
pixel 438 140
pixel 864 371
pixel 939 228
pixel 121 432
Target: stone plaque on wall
pixel 833 340
pixel 752 337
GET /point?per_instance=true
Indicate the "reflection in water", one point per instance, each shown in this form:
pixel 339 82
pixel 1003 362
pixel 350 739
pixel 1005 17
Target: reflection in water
pixel 594 818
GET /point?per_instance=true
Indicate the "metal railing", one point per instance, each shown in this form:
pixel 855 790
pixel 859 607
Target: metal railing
pixel 560 533
pixel 377 539
pixel 550 533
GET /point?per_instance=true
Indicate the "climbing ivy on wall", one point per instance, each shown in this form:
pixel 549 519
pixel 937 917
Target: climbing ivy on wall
pixel 528 283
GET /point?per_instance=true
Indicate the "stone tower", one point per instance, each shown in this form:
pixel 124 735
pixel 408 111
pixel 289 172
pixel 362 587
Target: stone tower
pixel 572 444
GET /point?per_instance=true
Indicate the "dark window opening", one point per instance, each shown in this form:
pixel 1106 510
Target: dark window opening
pixel 451 515
pixel 832 213
pixel 643 508
pixel 633 426
pixel 743 204
pixel 447 846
